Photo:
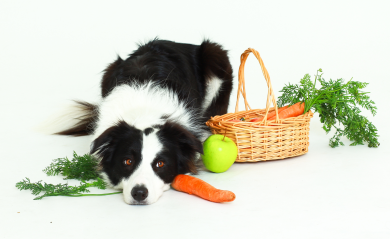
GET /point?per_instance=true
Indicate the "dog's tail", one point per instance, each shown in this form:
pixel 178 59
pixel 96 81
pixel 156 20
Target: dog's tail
pixel 76 119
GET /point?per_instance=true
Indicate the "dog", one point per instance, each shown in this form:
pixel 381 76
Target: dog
pixel 150 123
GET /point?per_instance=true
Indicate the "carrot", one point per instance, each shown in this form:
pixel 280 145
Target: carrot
pixel 292 111
pixel 273 113
pixel 198 187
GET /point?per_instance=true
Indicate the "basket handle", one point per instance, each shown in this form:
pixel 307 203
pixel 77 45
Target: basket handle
pixel 241 83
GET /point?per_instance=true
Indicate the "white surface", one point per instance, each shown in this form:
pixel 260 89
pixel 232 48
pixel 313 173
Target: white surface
pixel 52 52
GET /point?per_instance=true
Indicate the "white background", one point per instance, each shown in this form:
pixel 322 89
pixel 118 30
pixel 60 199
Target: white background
pixel 55 51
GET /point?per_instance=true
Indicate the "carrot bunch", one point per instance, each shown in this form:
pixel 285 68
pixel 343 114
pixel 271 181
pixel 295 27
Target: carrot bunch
pixel 198 187
pixel 338 104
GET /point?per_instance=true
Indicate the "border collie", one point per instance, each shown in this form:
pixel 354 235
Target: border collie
pixel 150 123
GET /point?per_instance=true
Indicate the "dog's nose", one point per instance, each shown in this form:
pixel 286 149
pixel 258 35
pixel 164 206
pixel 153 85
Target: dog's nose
pixel 139 193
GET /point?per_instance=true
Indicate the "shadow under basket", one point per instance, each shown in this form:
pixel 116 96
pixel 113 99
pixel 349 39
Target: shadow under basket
pixel 266 139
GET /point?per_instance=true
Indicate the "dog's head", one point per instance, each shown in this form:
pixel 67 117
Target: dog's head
pixel 145 162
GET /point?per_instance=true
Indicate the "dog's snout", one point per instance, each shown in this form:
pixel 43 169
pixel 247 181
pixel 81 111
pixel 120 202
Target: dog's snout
pixel 139 193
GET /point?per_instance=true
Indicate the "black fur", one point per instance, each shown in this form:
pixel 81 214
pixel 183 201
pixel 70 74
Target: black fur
pixel 114 146
pixel 87 122
pixel 122 141
pixel 147 131
pixel 215 62
pixel 184 69
pixel 181 145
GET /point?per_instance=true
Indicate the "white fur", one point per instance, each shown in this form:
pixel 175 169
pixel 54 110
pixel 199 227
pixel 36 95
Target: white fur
pixel 212 89
pixel 69 116
pixel 107 180
pixel 144 174
pixel 143 106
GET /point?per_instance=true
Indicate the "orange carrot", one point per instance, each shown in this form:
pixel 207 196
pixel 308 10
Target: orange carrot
pixel 200 188
pixel 292 111
pixel 270 115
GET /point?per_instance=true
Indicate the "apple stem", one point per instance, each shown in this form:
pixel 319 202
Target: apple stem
pixel 224 135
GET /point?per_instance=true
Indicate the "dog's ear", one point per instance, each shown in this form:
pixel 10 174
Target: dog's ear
pixel 102 145
pixel 112 138
pixel 186 144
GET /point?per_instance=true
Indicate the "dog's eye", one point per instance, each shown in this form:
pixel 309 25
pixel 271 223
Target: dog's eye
pixel 128 162
pixel 160 164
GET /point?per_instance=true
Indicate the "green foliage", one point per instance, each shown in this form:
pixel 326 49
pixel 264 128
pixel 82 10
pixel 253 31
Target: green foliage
pixel 337 104
pixel 82 168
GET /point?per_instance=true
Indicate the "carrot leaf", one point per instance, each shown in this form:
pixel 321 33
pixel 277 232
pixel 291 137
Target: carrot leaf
pixel 80 167
pixel 83 168
pixel 339 106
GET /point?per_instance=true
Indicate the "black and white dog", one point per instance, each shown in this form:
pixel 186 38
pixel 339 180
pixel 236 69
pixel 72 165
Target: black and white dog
pixel 150 124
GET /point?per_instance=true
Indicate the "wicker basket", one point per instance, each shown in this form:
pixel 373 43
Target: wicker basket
pixel 263 140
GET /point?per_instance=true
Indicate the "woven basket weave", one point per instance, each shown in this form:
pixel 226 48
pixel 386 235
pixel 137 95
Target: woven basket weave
pixel 263 140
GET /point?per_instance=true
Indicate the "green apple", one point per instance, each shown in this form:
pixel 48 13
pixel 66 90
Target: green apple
pixel 219 153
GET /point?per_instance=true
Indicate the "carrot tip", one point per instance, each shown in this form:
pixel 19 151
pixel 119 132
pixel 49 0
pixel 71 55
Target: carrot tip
pixel 233 196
